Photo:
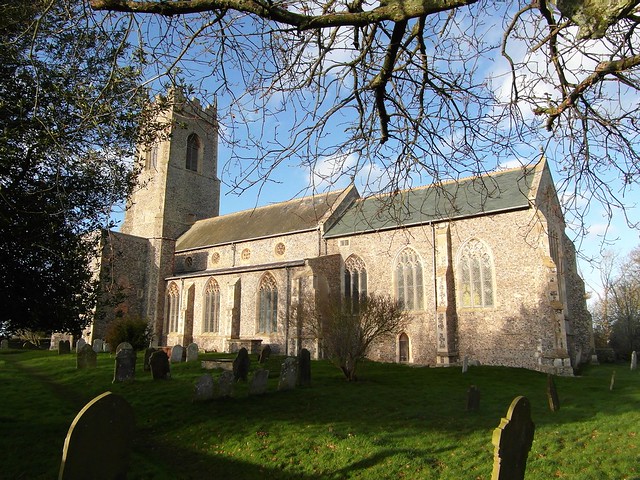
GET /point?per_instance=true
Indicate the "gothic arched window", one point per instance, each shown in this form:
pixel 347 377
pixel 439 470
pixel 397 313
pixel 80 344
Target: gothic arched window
pixel 193 152
pixel 475 275
pixel 408 285
pixel 355 282
pixel 212 307
pixel 268 305
pixel 172 307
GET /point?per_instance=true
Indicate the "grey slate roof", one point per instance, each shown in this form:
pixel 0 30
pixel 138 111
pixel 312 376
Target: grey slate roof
pixel 299 214
pixel 500 191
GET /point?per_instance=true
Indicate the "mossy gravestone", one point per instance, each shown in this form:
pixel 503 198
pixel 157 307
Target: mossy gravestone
pixel 99 440
pixel 86 358
pixel 512 441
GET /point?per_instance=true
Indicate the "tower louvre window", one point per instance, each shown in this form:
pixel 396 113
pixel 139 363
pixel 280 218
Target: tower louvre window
pixel 193 152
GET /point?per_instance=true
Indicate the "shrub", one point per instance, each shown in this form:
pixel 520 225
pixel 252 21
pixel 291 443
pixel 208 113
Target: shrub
pixel 134 330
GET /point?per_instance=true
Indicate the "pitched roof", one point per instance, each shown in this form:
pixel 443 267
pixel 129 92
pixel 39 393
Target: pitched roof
pixel 491 193
pixel 295 215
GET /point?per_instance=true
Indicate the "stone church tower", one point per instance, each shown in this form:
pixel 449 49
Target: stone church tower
pixel 177 185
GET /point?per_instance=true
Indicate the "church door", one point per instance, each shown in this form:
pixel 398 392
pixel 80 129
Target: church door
pixel 403 348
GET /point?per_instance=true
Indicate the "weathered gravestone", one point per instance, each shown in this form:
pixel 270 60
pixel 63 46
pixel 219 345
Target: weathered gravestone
pixel 225 384
pixel 147 355
pixel 123 346
pixel 159 365
pixel 99 440
pixel 64 346
pixel 552 394
pixel 265 353
pixel 4 344
pixel 125 369
pixel 304 368
pixel 106 347
pixel 203 390
pixel 512 441
pixel 634 360
pixel 288 374
pixel 97 345
pixel 176 353
pixel 473 399
pixel 86 358
pixel 192 352
pixel 465 364
pixel 241 365
pixel 258 385
pixel 80 343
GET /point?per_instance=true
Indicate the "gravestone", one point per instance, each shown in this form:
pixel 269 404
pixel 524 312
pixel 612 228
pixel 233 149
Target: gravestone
pixel 176 353
pixel 465 364
pixel 99 440
pixel 147 355
pixel 125 370
pixel 241 365
pixel 258 385
pixel 159 365
pixel 512 441
pixel 634 360
pixel 123 346
pixel 64 346
pixel 288 374
pixel 473 399
pixel 4 344
pixel 265 353
pixel 552 394
pixel 106 347
pixel 225 384
pixel 81 343
pixel 304 368
pixel 613 381
pixel 192 352
pixel 86 358
pixel 203 390
pixel 97 345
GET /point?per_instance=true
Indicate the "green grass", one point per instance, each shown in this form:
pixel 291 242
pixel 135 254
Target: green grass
pixel 396 422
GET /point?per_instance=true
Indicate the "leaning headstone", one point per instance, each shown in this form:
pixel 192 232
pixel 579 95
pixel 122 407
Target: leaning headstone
pixel 97 345
pixel 64 346
pixel 79 344
pixel 147 355
pixel 176 353
pixel 258 385
pixel 613 381
pixel 203 389
pixel 123 346
pixel 4 344
pixel 265 353
pixel 86 358
pixel 288 374
pixel 304 368
pixel 552 394
pixel 512 441
pixel 125 370
pixel 634 360
pixel 192 352
pixel 225 384
pixel 473 399
pixel 98 444
pixel 241 365
pixel 159 365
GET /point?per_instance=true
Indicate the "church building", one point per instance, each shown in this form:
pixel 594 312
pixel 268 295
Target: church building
pixel 482 265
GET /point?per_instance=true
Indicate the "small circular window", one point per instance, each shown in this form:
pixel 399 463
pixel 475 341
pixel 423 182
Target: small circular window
pixel 188 261
pixel 215 258
pixel 280 249
pixel 246 254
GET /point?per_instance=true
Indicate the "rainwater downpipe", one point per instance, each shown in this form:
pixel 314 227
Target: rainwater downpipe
pixel 287 312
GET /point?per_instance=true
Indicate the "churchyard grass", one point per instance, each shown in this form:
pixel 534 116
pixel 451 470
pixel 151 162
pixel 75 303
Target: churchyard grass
pixel 397 421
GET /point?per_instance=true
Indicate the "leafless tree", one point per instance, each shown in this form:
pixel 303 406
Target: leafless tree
pixel 346 334
pixel 405 91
